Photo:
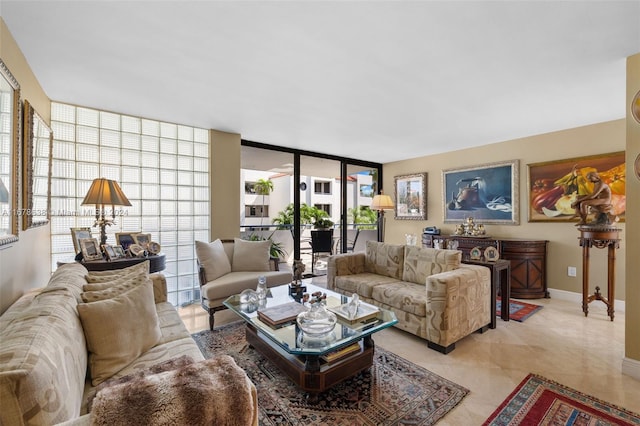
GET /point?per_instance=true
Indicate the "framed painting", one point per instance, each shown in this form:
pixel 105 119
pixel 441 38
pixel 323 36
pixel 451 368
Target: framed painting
pixel 90 249
pixel 411 196
pixel 78 234
pixel 125 239
pixel 487 192
pixel 555 185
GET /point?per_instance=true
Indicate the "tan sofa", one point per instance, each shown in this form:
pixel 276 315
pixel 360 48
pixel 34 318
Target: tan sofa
pixel 433 295
pixel 53 358
pixel 227 267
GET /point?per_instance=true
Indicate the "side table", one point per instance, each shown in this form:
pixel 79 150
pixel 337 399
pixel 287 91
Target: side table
pixel 156 263
pixel 500 278
pixel 600 238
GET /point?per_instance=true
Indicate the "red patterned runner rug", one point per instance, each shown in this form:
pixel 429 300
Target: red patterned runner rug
pixel 539 401
pixel 518 311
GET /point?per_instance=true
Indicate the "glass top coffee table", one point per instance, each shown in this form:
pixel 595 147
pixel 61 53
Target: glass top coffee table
pixel 314 364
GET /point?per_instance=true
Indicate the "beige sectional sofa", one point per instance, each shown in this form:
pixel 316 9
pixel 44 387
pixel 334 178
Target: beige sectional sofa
pixel 227 267
pixel 433 295
pixel 64 342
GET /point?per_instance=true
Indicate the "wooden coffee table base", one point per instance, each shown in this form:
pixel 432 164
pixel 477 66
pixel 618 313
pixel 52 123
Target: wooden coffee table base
pixel 309 372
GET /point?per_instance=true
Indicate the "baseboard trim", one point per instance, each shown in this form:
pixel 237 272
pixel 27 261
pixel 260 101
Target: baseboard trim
pixel 631 367
pixel 570 296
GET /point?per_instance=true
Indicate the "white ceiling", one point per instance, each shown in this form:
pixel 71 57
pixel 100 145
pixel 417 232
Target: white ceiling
pixel 372 80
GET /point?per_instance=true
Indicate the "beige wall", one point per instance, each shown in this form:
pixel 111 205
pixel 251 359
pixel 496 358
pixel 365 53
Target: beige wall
pixel 26 263
pixel 632 343
pixel 563 249
pixel 225 184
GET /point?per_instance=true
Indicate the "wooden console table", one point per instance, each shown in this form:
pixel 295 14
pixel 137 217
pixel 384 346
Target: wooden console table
pixel 528 260
pixel 599 238
pixel 500 279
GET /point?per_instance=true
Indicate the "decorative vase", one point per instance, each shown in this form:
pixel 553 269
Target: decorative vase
pixel 317 321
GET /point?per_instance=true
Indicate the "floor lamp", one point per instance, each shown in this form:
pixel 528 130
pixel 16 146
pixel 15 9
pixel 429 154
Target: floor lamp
pixel 105 192
pixel 381 202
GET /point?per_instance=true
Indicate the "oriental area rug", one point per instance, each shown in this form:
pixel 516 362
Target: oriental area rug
pixel 393 391
pixel 539 401
pixel 518 311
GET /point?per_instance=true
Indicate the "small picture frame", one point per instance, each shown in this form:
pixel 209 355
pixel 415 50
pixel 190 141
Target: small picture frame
pixel 125 239
pixel 475 253
pixel 90 249
pixel 153 248
pixel 491 254
pixel 119 251
pixel 110 252
pixel 142 240
pixel 78 234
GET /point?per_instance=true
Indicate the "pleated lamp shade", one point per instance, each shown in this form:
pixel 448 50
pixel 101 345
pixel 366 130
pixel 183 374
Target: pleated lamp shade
pixel 105 192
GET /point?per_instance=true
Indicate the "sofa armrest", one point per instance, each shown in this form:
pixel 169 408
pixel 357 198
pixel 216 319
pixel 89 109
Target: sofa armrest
pixel 344 264
pixel 458 303
pixel 159 287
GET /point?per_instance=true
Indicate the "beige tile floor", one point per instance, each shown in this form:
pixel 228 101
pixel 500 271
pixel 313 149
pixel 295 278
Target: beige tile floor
pixel 557 342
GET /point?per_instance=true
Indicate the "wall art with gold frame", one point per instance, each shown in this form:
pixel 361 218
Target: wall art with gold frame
pixel 36 165
pixel 411 196
pixel 554 185
pixel 488 192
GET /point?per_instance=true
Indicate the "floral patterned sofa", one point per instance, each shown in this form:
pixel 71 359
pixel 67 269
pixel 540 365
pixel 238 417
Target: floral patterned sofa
pixel 432 293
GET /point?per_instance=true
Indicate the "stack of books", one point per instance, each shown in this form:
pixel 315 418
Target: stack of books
pixel 281 315
pixel 341 353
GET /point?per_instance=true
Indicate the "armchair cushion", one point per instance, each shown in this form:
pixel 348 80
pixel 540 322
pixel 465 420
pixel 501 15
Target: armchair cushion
pixel 213 259
pixel 250 255
pixel 119 330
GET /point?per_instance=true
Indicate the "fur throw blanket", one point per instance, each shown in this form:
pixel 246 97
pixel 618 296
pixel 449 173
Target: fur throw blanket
pixel 211 392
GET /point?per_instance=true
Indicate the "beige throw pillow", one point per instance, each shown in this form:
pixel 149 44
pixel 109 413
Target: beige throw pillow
pixel 113 290
pixel 119 330
pixel 103 276
pixel 213 259
pixel 250 255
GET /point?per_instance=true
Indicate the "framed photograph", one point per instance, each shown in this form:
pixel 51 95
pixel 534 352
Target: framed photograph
pixel 78 234
pixel 125 239
pixel 142 240
pixel 555 185
pixel 411 196
pixel 90 249
pixel 109 251
pixel 487 192
pixel 119 251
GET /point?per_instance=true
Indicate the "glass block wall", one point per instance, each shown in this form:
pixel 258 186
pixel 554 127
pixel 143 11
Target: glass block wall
pixel 163 169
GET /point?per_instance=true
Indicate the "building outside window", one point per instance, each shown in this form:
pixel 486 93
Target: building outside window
pixel 322 187
pixel 324 207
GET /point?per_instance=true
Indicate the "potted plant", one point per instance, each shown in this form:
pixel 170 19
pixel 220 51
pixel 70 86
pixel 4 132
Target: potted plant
pixel 323 223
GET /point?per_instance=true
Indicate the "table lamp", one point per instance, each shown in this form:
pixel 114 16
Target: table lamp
pixel 105 192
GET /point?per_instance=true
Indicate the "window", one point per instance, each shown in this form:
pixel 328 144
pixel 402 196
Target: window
pixel 250 187
pixel 256 211
pixel 322 187
pixel 163 169
pixel 324 207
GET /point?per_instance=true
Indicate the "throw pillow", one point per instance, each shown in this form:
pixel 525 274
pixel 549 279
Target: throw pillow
pixel 211 392
pixel 119 330
pixel 250 255
pixel 384 259
pixel 113 290
pixel 103 276
pixel 213 259
pixel 420 263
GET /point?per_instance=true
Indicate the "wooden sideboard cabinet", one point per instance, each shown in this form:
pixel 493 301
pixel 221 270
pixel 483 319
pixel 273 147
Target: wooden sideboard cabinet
pixel 528 260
